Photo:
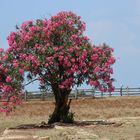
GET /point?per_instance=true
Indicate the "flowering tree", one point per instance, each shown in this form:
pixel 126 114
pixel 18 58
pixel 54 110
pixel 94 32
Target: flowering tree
pixel 55 52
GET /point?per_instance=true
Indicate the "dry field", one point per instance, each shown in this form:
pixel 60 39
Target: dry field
pixel 123 110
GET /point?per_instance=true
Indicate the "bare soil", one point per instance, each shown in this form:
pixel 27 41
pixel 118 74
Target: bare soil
pixel 122 112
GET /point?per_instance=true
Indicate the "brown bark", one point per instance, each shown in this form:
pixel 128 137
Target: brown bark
pixel 62 106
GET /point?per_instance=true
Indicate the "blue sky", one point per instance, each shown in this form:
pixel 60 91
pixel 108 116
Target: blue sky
pixel 116 23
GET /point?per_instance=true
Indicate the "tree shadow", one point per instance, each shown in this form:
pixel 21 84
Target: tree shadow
pixel 44 125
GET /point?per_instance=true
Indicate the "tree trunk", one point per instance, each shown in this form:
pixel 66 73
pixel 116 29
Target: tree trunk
pixel 62 106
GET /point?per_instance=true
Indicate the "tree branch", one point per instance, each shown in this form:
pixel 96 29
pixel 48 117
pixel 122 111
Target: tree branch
pixel 30 82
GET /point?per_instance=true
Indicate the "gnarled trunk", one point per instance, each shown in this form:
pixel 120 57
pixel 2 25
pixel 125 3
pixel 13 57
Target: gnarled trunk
pixel 62 106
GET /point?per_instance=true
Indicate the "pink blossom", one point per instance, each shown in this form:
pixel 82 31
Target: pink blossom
pixel 72 60
pixel 95 57
pixel 8 50
pixel 85 70
pixel 97 69
pixel 26 38
pixel 70 49
pixel 111 60
pixel 61 86
pixel 9 79
pixel 21 71
pixel 1 49
pixel 5 58
pixel 61 58
pixel 6 70
pixel 93 83
pixel 15 64
pixel 55 49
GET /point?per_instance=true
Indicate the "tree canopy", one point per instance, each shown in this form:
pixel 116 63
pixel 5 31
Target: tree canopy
pixel 56 52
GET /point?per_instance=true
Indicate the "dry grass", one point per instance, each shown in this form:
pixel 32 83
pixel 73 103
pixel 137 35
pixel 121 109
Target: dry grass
pixel 106 108
pixel 85 109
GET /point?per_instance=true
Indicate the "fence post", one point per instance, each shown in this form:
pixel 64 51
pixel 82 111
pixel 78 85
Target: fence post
pixel 25 95
pixel 43 96
pixel 121 90
pixel 93 93
pixel 76 93
pixel 109 94
pixel 83 92
pixel 101 94
pixel 127 91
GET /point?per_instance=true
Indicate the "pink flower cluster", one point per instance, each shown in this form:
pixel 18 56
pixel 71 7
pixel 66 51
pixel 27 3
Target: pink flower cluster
pixel 8 84
pixel 56 51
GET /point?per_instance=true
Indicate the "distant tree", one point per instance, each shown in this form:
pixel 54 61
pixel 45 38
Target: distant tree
pixel 59 55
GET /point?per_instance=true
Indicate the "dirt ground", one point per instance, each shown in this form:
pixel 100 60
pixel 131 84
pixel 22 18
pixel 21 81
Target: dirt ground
pixel 124 111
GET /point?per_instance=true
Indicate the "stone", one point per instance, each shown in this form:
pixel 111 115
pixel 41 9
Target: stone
pixel 59 127
pixel 16 132
pixel 45 138
pixel 18 137
pixel 104 139
pixel 35 137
